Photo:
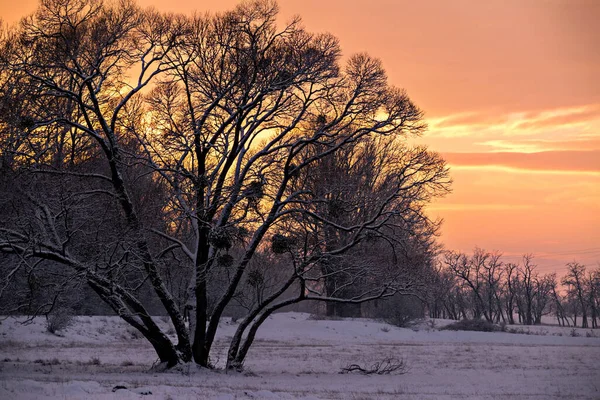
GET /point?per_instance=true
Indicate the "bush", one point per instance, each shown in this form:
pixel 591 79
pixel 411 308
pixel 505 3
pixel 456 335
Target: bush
pixel 478 325
pixel 574 333
pixel 402 320
pixel 54 361
pixel 405 312
pixel 59 320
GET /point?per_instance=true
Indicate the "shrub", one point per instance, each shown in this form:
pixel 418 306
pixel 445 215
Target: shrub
pixel 54 361
pixel 59 320
pixel 503 326
pixel 431 324
pixel 402 320
pixel 478 325
pixel 574 333
pixel 403 311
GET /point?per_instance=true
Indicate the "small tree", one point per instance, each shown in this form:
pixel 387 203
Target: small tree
pixel 558 302
pixel 575 282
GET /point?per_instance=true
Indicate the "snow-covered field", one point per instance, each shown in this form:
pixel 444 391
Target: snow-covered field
pixel 296 357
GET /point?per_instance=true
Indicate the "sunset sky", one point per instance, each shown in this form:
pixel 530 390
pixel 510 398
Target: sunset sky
pixel 511 92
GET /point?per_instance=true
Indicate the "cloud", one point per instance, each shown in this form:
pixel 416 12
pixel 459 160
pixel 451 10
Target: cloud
pixel 536 145
pixel 550 125
pixel 570 161
pixel 560 117
pixel 471 119
pixel 478 207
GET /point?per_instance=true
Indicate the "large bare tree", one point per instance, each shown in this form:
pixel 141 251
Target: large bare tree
pixel 195 138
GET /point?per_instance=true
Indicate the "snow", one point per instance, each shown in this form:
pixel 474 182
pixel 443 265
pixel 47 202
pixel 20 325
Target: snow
pixel 296 357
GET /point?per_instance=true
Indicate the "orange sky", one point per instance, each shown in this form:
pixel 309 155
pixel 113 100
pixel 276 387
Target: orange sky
pixel 511 92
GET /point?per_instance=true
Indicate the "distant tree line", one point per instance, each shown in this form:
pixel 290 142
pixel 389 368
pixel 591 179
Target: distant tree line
pixel 481 285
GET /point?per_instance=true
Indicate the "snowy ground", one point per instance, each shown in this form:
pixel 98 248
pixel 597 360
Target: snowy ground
pixel 296 357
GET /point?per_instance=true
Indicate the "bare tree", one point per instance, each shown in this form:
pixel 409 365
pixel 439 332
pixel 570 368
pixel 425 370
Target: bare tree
pixel 493 286
pixel 343 187
pixel 510 291
pixel 558 306
pixel 74 55
pixel 592 284
pixel 497 288
pixel 206 168
pixel 575 282
pixel 526 289
pixel 543 289
pixel 480 274
pixel 531 292
pixel 489 288
pixel 246 116
pixel 441 294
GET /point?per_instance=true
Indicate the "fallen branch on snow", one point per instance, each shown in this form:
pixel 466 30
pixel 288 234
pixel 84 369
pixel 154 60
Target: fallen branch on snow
pixel 384 367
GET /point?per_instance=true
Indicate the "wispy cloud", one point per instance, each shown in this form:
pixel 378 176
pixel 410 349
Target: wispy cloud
pixel 536 130
pixel 559 117
pixel 478 207
pixel 538 145
pixel 561 162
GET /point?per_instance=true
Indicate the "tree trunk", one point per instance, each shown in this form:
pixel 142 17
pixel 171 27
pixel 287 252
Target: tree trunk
pixel 167 353
pixel 235 359
pixel 200 349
